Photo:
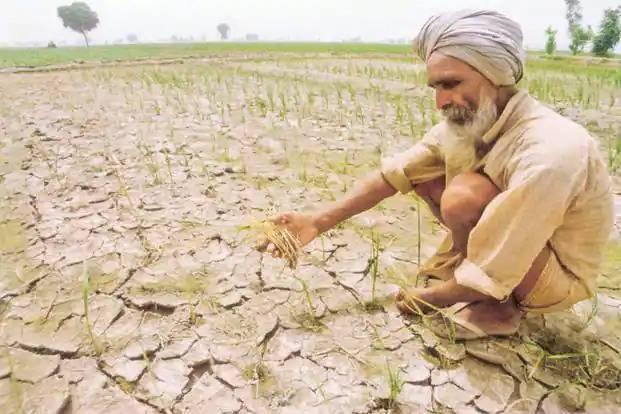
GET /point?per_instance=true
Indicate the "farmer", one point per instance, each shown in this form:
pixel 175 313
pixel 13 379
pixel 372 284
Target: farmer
pixel 523 191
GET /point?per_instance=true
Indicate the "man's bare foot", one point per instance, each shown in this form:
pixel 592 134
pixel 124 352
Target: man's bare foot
pixel 447 293
pixel 415 301
pixel 478 320
pixel 492 317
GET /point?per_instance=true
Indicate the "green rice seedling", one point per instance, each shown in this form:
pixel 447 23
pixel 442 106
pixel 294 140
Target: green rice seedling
pixel 270 98
pixel 282 112
pixel 377 338
pixel 86 288
pixel 593 313
pixel 303 173
pixel 125 386
pixel 434 118
pixel 412 128
pixel 360 114
pixel 540 358
pixel 352 93
pixel 226 156
pixel 326 101
pixel 261 106
pixel 581 364
pixel 374 263
pixel 399 113
pixel 186 154
pixel 613 144
pixel 192 316
pixel 153 253
pixel 296 96
pixel 152 165
pixel 243 168
pixel 421 108
pixel 51 160
pixel 307 296
pixel 154 169
pixel 323 248
pixel 147 363
pixel 259 375
pixel 395 384
pixel 338 166
pixel 169 167
pixel 308 320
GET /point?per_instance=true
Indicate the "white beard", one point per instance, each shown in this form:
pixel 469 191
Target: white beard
pixel 467 131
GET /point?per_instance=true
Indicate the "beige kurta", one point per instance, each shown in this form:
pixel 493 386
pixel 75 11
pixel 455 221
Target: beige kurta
pixel 555 189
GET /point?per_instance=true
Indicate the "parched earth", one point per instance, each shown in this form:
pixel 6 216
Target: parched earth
pixel 128 281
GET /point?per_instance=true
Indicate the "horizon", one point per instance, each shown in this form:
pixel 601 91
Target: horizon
pixel 398 21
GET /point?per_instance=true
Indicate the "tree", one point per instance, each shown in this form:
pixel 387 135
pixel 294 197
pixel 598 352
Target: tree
pixel 551 41
pixel 224 30
pixel 574 13
pixel 609 32
pixel 132 38
pixel 578 34
pixel 579 38
pixel 78 17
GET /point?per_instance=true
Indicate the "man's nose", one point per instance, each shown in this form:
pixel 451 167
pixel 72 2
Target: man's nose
pixel 443 99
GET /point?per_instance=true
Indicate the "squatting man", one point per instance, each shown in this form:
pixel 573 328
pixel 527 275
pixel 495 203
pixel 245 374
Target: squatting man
pixel 523 192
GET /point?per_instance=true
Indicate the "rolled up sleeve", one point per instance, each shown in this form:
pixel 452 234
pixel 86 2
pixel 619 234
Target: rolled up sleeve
pixel 517 224
pixel 421 163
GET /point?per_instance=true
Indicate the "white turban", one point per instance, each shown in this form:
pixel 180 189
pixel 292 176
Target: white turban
pixel 486 40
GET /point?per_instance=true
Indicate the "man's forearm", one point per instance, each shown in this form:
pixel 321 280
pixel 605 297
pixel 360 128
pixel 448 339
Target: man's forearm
pixel 365 195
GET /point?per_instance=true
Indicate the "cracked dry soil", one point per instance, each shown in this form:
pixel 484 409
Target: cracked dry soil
pixel 126 285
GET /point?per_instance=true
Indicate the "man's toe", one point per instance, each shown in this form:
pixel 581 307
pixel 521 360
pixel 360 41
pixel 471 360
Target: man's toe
pixel 403 308
pixel 406 307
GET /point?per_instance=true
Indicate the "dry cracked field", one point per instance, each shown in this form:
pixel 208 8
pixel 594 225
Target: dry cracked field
pixel 128 283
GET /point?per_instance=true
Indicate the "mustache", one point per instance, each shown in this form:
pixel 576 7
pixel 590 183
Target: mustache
pixel 458 114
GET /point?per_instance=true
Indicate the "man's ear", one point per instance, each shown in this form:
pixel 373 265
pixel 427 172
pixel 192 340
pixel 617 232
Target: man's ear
pixel 504 94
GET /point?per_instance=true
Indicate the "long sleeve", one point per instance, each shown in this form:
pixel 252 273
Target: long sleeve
pixel 422 162
pixel 517 224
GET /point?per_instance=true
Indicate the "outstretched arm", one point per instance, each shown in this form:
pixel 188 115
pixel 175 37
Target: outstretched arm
pixel 366 194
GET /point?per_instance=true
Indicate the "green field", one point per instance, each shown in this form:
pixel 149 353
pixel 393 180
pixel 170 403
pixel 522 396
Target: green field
pixel 34 57
pixel 29 57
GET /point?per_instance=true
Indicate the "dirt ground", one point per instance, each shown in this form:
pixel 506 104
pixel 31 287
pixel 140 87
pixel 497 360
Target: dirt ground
pixel 129 285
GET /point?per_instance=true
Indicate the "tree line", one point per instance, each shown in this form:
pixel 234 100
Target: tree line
pixel 79 17
pixel 602 41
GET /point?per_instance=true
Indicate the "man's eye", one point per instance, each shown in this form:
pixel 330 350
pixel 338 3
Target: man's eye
pixel 450 84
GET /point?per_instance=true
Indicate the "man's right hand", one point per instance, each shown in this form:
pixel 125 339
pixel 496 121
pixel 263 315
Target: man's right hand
pixel 302 226
pixel 364 195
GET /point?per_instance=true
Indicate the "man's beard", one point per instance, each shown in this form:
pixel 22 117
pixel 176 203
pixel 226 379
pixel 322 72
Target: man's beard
pixel 471 125
pixel 468 128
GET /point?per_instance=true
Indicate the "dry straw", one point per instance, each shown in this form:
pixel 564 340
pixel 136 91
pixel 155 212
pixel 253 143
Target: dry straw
pixel 286 243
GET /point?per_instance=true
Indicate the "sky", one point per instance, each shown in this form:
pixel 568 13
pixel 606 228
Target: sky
pixel 36 21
